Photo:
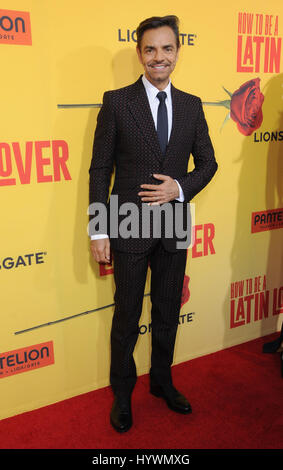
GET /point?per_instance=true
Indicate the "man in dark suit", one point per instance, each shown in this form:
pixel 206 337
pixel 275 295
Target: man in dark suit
pixel 148 130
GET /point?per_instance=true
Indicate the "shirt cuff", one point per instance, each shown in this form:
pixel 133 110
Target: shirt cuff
pixel 98 236
pixel 181 197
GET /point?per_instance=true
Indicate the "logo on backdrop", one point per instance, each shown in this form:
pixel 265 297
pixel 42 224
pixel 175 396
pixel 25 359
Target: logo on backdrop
pixel 251 301
pixel 183 320
pixel 267 220
pixel 130 35
pixel 26 359
pixel 44 159
pixel 29 259
pixel 273 136
pixel 259 44
pixel 15 27
pixel 258 51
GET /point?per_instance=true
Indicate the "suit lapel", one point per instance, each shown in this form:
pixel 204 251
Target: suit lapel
pixel 141 112
pixel 177 122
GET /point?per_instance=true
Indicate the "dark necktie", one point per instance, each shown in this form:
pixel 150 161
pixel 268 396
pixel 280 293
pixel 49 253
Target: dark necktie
pixel 162 121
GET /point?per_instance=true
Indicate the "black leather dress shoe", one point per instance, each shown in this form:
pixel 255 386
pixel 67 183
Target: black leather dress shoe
pixel 121 414
pixel 174 399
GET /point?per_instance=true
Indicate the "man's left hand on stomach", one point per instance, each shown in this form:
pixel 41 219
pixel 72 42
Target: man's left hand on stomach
pixel 159 194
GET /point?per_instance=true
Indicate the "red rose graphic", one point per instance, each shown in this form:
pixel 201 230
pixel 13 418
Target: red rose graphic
pixel 185 291
pixel 245 107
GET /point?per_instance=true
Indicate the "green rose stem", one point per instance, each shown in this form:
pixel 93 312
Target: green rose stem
pixel 224 103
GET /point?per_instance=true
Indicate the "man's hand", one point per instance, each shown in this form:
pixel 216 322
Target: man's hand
pixel 100 250
pixel 159 194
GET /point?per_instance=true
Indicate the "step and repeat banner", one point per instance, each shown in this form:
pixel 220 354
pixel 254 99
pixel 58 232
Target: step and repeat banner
pixel 57 59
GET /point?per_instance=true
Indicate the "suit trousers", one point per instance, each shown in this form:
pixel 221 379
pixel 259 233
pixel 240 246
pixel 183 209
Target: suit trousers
pixel 130 273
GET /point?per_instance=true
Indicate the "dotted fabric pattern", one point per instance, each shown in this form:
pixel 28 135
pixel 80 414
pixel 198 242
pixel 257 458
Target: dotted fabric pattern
pixel 126 139
pixel 167 274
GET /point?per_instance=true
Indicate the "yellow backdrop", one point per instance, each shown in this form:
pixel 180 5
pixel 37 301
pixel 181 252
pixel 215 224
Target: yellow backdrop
pixel 57 59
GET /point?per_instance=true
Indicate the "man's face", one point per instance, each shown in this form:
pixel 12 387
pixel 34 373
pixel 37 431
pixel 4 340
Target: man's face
pixel 158 55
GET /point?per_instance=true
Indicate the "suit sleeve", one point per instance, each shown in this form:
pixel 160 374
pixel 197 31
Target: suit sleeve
pixel 204 160
pixel 101 166
pixel 102 161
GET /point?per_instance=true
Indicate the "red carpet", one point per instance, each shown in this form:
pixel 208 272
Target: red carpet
pixel 236 396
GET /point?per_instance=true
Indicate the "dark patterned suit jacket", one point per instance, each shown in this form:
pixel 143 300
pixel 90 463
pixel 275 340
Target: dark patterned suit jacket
pixel 126 138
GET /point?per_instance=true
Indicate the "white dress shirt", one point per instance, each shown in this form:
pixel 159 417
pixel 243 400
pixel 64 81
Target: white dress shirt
pixel 151 92
pixel 154 102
